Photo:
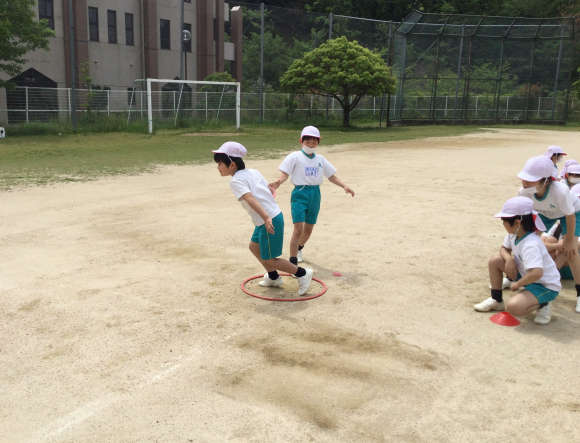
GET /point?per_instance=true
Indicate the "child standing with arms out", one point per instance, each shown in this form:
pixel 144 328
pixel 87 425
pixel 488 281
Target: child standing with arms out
pixel 554 201
pixel 531 266
pixel 306 170
pixel 251 189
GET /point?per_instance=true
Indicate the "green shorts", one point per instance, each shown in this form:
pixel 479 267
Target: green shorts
pixel 270 244
pixel 305 203
pixel 543 294
pixel 549 222
pixel 566 273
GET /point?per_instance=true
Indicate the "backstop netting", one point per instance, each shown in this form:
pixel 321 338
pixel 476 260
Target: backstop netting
pixel 482 68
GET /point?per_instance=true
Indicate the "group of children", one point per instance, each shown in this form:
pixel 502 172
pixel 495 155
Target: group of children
pixel 306 171
pixel 541 248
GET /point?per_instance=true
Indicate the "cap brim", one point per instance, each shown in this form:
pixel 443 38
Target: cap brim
pixel 310 135
pixel 528 177
pixel 218 152
pixel 504 214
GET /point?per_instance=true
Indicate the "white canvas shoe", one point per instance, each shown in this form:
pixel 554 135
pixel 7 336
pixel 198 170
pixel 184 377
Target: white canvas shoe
pixel 578 305
pixel 299 255
pixel 544 315
pixel 505 284
pixel 489 305
pixel 304 282
pixel 269 282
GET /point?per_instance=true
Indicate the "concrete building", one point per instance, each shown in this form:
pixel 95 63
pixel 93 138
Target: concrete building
pixel 123 40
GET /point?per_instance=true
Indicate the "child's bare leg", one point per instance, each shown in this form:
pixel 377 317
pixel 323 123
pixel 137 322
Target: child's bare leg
pixel 255 248
pixel 574 263
pixel 295 240
pixel 280 264
pixel 561 261
pixel 306 233
pixel 496 265
pixel 550 240
pixel 522 303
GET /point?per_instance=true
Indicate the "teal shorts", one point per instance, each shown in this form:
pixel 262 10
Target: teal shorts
pixel 305 203
pixel 543 294
pixel 270 244
pixel 549 222
pixel 566 273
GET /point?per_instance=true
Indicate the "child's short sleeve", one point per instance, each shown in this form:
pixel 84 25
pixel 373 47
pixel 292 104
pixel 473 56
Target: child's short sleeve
pixel 532 256
pixel 506 242
pixel 288 164
pixel 327 169
pixel 565 202
pixel 239 187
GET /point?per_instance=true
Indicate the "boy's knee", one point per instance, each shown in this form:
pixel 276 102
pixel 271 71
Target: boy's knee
pixel 495 259
pixel 298 228
pixel 513 308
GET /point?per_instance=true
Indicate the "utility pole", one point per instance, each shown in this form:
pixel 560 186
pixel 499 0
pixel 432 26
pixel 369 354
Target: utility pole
pixel 72 64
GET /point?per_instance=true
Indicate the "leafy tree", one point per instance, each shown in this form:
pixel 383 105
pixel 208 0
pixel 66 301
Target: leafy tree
pixel 340 69
pixel 19 34
pixel 216 77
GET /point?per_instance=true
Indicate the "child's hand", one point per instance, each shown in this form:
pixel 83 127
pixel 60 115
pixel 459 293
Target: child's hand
pixel 511 269
pixel 269 225
pixel 275 184
pixel 515 286
pixel 348 190
pixel 570 250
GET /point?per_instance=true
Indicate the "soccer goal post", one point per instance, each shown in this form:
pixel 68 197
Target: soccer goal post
pixel 192 99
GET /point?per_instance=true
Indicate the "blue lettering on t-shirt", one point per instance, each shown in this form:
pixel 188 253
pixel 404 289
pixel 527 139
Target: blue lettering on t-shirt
pixel 310 172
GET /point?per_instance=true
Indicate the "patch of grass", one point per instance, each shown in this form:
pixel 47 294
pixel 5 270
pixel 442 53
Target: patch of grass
pixel 48 159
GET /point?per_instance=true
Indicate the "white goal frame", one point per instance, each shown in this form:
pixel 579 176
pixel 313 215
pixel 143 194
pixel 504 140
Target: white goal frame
pixel 192 82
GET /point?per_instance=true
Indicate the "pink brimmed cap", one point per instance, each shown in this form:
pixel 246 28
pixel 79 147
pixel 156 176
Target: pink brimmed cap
pixel 554 150
pixel 573 169
pixel 311 131
pixel 576 189
pixel 537 168
pixel 521 206
pixel 232 149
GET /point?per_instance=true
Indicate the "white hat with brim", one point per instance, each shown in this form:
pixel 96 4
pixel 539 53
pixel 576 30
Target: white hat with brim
pixel 310 131
pixel 554 150
pixel 537 168
pixel 573 169
pixel 518 206
pixel 232 149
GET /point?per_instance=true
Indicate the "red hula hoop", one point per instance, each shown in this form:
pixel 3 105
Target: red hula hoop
pixel 324 288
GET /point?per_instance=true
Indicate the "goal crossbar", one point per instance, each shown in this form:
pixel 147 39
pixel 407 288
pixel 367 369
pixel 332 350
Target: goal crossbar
pixel 192 82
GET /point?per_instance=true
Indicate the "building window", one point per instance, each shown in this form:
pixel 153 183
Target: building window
pixel 112 25
pixel 129 29
pixel 165 34
pixel 46 12
pixel 187 45
pixel 93 24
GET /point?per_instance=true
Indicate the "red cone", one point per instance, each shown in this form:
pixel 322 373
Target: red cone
pixel 505 319
pixel 337 274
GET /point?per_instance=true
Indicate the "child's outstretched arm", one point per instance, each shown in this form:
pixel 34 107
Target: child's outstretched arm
pixel 281 180
pixel 338 182
pixel 249 198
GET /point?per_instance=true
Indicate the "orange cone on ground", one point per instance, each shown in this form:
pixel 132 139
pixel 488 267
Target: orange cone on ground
pixel 505 319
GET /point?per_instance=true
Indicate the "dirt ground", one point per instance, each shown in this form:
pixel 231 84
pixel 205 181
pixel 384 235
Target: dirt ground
pixel 122 317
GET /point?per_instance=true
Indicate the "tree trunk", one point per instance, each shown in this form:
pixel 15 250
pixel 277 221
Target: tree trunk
pixel 346 111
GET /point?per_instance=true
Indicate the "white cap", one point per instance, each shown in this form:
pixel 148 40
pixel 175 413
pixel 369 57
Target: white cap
pixel 554 150
pixel 311 131
pixel 565 168
pixel 521 206
pixel 573 169
pixel 232 149
pixel 537 168
pixel 576 189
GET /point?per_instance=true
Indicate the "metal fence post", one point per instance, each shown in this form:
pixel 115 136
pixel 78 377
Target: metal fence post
pixel 26 104
pixel 476 103
pixel 69 108
pixel 329 38
pixel 557 72
pixel 206 107
pixel 108 102
pixel 262 63
pixel 458 70
pixel 539 104
pixel 507 106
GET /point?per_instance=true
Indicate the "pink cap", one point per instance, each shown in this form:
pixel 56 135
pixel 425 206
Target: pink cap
pixel 565 168
pixel 232 149
pixel 573 169
pixel 576 189
pixel 311 131
pixel 554 150
pixel 537 168
pixel 521 206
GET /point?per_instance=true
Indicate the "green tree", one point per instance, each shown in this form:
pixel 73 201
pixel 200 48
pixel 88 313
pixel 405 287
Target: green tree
pixel 19 34
pixel 216 77
pixel 340 69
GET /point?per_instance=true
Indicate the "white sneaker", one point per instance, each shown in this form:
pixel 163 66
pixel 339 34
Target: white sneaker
pixel 578 305
pixel 489 305
pixel 505 284
pixel 299 255
pixel 269 282
pixel 304 282
pixel 544 315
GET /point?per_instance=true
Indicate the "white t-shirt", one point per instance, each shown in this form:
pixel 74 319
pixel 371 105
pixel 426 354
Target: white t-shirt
pixel 556 173
pixel 530 253
pixel 305 171
pixel 557 202
pixel 250 180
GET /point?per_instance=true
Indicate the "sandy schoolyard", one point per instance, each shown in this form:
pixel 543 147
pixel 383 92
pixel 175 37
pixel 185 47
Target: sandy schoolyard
pixel 122 317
